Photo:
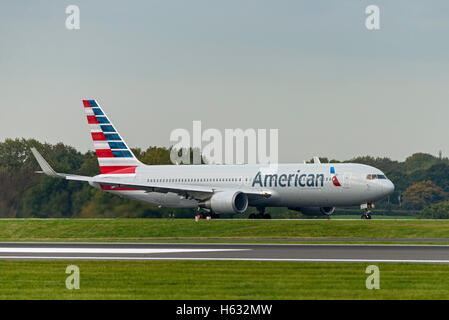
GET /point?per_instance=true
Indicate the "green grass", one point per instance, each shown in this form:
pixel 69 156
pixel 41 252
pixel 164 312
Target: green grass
pixel 220 280
pixel 165 229
pixel 377 217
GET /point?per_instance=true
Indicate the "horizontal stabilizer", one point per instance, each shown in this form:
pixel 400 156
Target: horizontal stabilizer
pixel 46 168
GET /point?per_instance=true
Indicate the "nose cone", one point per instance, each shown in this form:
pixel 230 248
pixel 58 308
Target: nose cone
pixel 388 187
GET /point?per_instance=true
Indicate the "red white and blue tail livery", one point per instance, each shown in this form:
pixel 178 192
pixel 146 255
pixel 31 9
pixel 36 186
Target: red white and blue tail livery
pixel 114 155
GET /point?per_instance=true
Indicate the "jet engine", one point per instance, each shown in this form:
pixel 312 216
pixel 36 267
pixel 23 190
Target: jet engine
pixel 227 202
pixel 315 211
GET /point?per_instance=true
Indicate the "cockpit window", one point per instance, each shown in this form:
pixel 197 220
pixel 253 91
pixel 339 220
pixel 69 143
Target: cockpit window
pixel 375 176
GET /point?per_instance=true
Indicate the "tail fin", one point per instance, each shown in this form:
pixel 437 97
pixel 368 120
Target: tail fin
pixel 114 155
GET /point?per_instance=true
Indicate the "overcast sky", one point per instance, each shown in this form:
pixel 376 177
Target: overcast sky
pixel 308 68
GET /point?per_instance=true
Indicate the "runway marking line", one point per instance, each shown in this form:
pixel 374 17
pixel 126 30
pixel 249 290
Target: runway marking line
pixel 233 244
pixel 109 250
pixel 226 259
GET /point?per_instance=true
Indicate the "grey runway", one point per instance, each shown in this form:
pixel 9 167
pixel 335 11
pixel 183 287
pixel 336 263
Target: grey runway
pixel 248 252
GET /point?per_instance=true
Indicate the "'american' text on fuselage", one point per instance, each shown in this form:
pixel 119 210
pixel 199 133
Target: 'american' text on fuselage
pixel 288 180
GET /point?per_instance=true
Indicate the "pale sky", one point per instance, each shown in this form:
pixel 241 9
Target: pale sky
pixel 308 68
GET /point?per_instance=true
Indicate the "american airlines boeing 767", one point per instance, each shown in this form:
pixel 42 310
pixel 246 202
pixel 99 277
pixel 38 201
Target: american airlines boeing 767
pixel 314 189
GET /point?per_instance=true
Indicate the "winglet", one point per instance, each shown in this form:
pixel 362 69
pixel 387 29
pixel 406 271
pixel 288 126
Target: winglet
pixel 46 168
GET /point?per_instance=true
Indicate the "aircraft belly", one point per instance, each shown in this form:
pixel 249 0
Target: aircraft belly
pixel 345 197
pixel 287 197
pixel 305 197
pixel 169 200
pixel 293 198
pixel 313 197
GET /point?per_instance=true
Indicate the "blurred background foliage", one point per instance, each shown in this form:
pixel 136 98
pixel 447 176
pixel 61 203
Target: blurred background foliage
pixel 421 181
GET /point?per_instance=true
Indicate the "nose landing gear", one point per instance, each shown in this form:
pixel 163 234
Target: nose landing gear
pixel 366 210
pixel 366 215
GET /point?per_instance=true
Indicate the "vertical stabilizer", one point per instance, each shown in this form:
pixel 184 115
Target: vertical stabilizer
pixel 114 155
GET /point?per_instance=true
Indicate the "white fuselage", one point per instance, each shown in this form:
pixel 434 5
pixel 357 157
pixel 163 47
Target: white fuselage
pixel 289 185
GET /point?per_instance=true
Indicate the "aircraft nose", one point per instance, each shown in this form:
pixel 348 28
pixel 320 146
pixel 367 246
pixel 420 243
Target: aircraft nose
pixel 388 187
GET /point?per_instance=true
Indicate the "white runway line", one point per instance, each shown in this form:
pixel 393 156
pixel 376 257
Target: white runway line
pixel 225 259
pixel 109 250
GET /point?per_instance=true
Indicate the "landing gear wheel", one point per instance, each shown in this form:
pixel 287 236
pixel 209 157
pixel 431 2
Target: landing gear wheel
pixel 266 216
pixel 261 213
pixel 252 216
pixel 366 212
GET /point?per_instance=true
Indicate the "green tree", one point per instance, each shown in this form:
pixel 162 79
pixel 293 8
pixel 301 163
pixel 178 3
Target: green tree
pixel 439 174
pixel 436 211
pixel 156 156
pixel 23 193
pixel 385 164
pixel 422 194
pixel 420 161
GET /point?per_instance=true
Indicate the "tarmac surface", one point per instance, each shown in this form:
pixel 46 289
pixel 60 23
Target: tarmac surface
pixel 226 251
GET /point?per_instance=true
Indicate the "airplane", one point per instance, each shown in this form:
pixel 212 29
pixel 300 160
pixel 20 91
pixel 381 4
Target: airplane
pixel 310 188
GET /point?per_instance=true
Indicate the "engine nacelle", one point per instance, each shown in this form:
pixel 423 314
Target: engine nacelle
pixel 227 202
pixel 315 211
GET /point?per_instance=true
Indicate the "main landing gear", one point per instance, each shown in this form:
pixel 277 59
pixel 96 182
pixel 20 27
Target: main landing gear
pixel 208 213
pixel 212 215
pixel 366 210
pixel 260 215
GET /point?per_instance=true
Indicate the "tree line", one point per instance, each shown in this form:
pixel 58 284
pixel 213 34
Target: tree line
pixel 421 181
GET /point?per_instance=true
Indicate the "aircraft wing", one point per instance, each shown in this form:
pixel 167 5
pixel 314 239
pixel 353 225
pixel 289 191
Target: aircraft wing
pixel 187 191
